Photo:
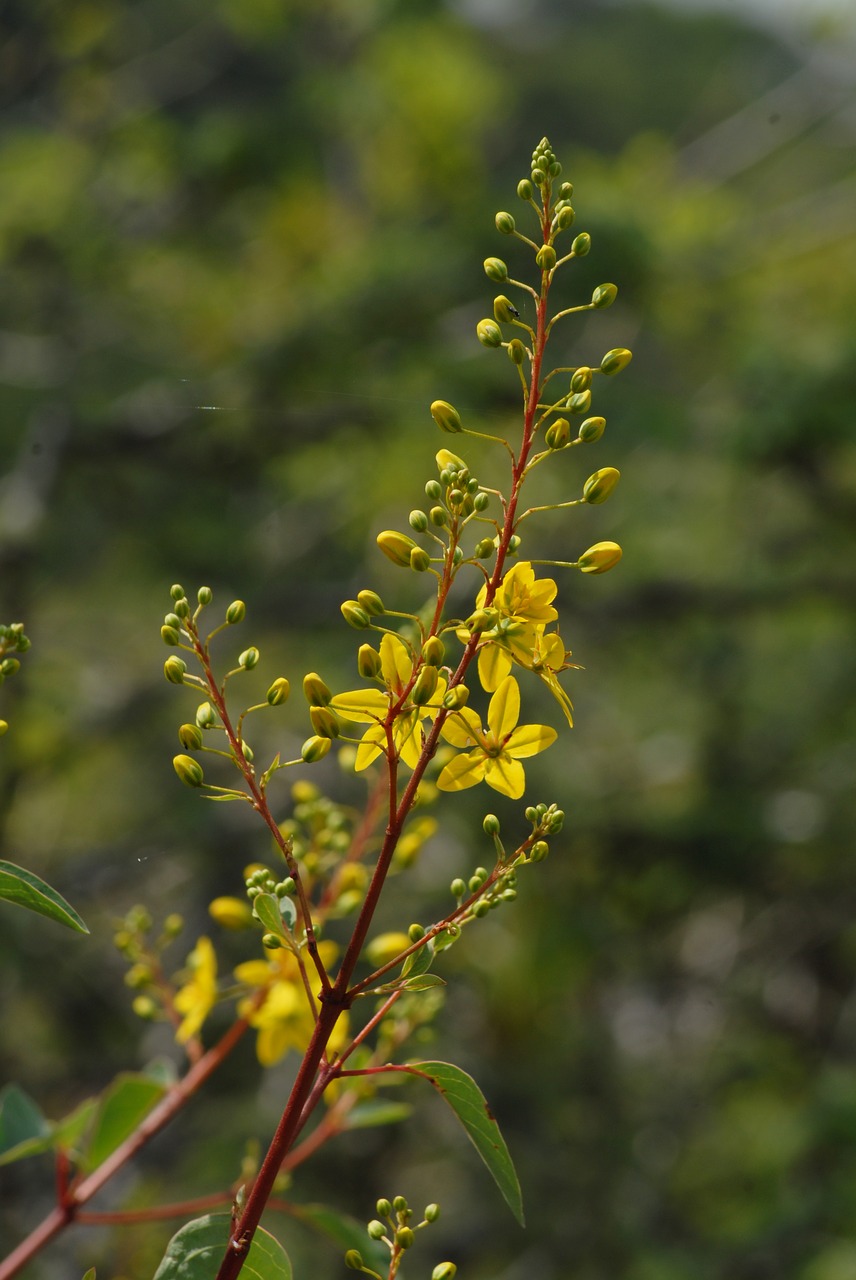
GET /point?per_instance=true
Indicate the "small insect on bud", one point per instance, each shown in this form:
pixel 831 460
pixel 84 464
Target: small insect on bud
pixel 565 217
pixel 496 270
pixel 546 257
pixel 419 560
pixel 396 547
pixel 579 402
pixel 205 595
pixel 278 693
pixel 354 1260
pixel 604 295
pixel 558 434
pixel 174 670
pixel 368 662
pixel 315 691
pixel 425 687
pixel 581 244
pixel 236 612
pixel 489 333
pixel 581 381
pixel 505 223
pixel 371 602
pixel 616 360
pixel 433 651
pixel 456 698
pixel 446 416
pixel 600 558
pixel 354 615
pixel 324 722
pixel 504 310
pixel 249 659
pixel 170 636
pixel 592 429
pixel 190 737
pixel 600 485
pixel 314 748
pixel 189 770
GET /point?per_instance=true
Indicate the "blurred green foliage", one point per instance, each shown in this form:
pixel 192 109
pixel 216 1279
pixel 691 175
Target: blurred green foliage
pixel 240 253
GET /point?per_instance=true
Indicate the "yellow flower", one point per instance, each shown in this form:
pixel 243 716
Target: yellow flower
pixel 285 1020
pixel 199 994
pixel 371 706
pixel 493 755
pixel 523 597
pixel 549 657
pixel 522 607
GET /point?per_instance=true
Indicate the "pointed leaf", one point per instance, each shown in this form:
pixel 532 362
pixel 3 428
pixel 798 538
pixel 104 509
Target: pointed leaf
pixel 422 981
pixel 24 1131
pixel 366 1115
pixel 124 1104
pixel 196 1250
pixel 21 886
pixel 470 1106
pixel 269 910
pixel 418 961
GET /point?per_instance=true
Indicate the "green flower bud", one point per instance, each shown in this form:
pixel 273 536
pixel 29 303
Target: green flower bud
pixel 604 295
pixel 425 687
pixel 484 548
pixel 566 190
pixel 496 270
pixel 433 490
pixel 315 691
pixel 491 824
pixel 249 658
pixel 539 177
pixel 172 620
pixel 592 429
pixel 174 669
pixel 419 560
pixel 189 770
pixel 415 933
pixel 516 351
pixel 384 1208
pixel 404 1237
pixel 505 223
pixel 376 1229
pixel 205 595
pixel 558 434
pixel 371 602
pixel 524 189
pixel 446 416
pixel 600 485
pixel 581 244
pixel 324 722
pixel 616 360
pixel 438 516
pixel 278 693
pixel 481 501
pixel 206 716
pixel 458 888
pixel 504 310
pixel 546 257
pixel 581 381
pixel 396 547
pixel 314 749
pixel 271 941
pixel 190 736
pixel 489 334
pixel 444 1271
pixel 556 822
pixel 176 591
pixel 579 402
pixel 236 612
pixel 513 543
pixel 368 662
pixel 418 521
pixel 600 558
pixel 432 1212
pixel 399 1204
pixel 182 608
pixel 539 851
pixel 169 635
pixel 565 217
pixel 354 615
pixel 456 697
pixel 433 651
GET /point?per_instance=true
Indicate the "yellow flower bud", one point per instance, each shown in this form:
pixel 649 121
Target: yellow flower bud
pixel 190 736
pixel 355 615
pixel 579 402
pixel 504 310
pixel 516 351
pixel 368 662
pixel 249 659
pixel 433 651
pixel 371 602
pixel 448 461
pixel 316 692
pixel 592 429
pixel 616 360
pixel 419 560
pixel 174 669
pixel 425 686
pixel 231 913
pixel 546 257
pixel 278 692
pixel 314 749
pixel 496 270
pixel 558 434
pixel 604 295
pixel 581 381
pixel 170 636
pixel 396 547
pixel 600 485
pixel 444 1271
pixel 456 697
pixel 446 416
pixel 189 770
pixel 489 334
pixel 324 722
pixel 600 558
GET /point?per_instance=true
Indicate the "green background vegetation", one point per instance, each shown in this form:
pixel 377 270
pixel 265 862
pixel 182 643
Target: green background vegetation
pixel 281 209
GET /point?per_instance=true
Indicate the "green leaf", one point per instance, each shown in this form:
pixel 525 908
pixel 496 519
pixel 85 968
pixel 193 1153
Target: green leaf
pixel 367 1115
pixel 195 1252
pixel 267 908
pixel 470 1106
pixel 124 1104
pixel 27 890
pixel 345 1232
pixel 24 1130
pixel 422 982
pixel 90 1275
pixel 418 961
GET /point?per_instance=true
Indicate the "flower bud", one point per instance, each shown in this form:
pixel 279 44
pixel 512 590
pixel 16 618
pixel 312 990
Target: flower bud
pixel 396 547
pixel 371 602
pixel 236 612
pixel 446 416
pixel 314 749
pixel 457 888
pixel 505 223
pixel 539 177
pixel 172 620
pixel 190 736
pixel 415 933
pixel 600 485
pixel 524 189
pixel 399 1204
pixel 433 651
pixel 206 716
pixel 383 1207
pixel 425 687
pixel 558 434
pixel 565 217
pixel 546 257
pixel 230 913
pixel 604 295
pixel 368 662
pixel 418 521
pixel 375 1228
pixel 496 270
pixel 581 381
pixel 278 693
pixel 484 548
pixel 444 1271
pixel 316 692
pixel 169 635
pixel 616 360
pixel 592 429
pixel 205 595
pixel 513 543
pixel 4 727
pixel 324 722
pixel 404 1237
pixel 491 824
pixel 456 697
pixel 489 333
pixel 354 615
pixel 249 658
pixel 566 190
pixel 354 1260
pixel 189 770
pixel 438 516
pixel 419 560
pixel 600 558
pixel 448 461
pixel 176 591
pixel 271 941
pixel 539 851
pixel 182 608
pixel 174 669
pixel 516 351
pixel 433 490
pixel 581 244
pixel 504 310
pixel 579 402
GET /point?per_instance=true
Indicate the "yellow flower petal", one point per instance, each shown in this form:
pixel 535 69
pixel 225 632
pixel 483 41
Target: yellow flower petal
pixel 504 710
pixel 506 776
pixel 529 739
pixel 494 666
pixel 462 772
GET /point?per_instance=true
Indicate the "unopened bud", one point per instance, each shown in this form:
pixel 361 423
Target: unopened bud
pixel 616 360
pixel 539 851
pixel 354 615
pixel 189 770
pixel 174 669
pixel 375 1228
pixel 489 333
pixel 484 548
pixel 516 351
pixel 600 558
pixel 505 223
pixel 354 1260
pixel 604 295
pixel 384 1207
pixel 592 429
pixel 278 692
pixel 316 692
pixel 432 1212
pixel 249 659
pixel 324 722
pixel 524 189
pixel 415 933
pixel 190 736
pixel 600 485
pixel 565 217
pixel 579 402
pixel 368 662
pixel 396 547
pixel 433 651
pixel 581 245
pixel 419 560
pixel 314 748
pixel 491 824
pixel 444 1271
pixel 205 595
pixel 371 602
pixel 206 716
pixel 581 381
pixel 504 310
pixel 496 270
pixel 558 434
pixel 169 635
pixel 481 620
pixel 176 591
pixel 546 257
pixel 404 1237
pixel 456 698
pixel 425 687
pixel 446 416
pixel 448 461
pixel 236 612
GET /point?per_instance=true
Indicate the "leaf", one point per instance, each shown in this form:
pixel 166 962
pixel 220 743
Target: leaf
pixel 470 1106
pixel 366 1115
pixel 195 1252
pixel 27 890
pixel 345 1232
pixel 422 982
pixel 123 1105
pixel 90 1274
pixel 418 961
pixel 266 907
pixel 24 1130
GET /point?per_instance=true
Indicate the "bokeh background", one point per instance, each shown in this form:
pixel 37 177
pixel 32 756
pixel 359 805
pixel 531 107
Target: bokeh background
pixel 240 253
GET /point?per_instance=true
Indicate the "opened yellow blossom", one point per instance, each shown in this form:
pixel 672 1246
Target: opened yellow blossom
pixel 493 755
pixel 371 706
pixel 199 994
pixel 521 608
pixel 285 1019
